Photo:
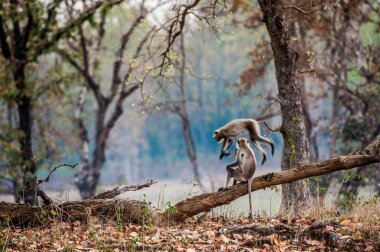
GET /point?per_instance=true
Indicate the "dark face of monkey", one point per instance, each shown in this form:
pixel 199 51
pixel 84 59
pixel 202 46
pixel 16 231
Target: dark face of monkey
pixel 242 142
pixel 218 135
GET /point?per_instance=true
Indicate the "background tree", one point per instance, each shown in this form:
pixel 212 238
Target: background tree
pixel 295 197
pixel 327 72
pixel 29 29
pixel 179 108
pixel 125 79
pixel 336 43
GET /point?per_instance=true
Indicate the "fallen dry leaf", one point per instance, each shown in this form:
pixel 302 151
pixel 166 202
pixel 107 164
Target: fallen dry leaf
pixel 237 237
pixel 313 242
pixel 224 238
pixel 345 222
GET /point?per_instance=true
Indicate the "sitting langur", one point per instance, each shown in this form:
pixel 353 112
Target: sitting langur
pixel 238 127
pixel 243 168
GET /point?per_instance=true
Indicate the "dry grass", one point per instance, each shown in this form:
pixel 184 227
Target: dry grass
pixel 361 219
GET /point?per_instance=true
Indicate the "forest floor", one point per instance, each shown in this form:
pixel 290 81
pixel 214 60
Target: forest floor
pixel 357 231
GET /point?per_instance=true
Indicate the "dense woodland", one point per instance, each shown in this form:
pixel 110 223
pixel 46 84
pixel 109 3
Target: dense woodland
pixel 98 94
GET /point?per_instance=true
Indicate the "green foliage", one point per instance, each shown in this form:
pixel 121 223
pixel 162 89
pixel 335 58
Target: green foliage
pixel 119 218
pixel 133 241
pixel 6 244
pixel 170 208
pixel 276 188
pixel 146 218
pixel 354 76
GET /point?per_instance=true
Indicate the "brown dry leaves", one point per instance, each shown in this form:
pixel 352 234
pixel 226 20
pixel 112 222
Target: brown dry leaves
pixel 208 234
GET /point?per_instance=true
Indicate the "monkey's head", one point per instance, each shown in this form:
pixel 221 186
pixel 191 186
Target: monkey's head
pixel 243 142
pixel 218 135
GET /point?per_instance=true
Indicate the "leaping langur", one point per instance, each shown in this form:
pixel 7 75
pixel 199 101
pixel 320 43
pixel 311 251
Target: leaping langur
pixel 237 127
pixel 243 169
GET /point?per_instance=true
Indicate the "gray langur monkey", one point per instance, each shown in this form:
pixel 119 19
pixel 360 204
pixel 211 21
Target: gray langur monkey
pixel 243 169
pixel 237 127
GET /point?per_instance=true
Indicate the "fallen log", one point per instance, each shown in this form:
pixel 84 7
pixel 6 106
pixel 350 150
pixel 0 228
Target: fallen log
pixel 127 211
pixel 205 202
pixel 141 212
pixel 102 206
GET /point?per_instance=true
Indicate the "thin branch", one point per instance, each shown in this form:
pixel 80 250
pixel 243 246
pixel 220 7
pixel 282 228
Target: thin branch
pixel 14 4
pixel 126 91
pixel 63 31
pixel 136 55
pixel 268 116
pixel 83 46
pixel 101 29
pixel 277 129
pixel 116 81
pixel 302 10
pixel 317 71
pixel 28 28
pixel 89 80
pixel 51 14
pixel 174 32
pixel 3 40
pixel 40 181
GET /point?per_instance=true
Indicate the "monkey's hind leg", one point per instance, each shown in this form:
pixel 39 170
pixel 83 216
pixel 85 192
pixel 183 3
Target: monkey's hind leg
pixel 227 181
pixel 234 182
pixel 255 143
pixel 267 141
pixel 225 146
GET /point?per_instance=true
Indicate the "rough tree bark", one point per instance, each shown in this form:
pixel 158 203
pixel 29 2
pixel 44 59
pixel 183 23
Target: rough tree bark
pixel 133 210
pixel 296 196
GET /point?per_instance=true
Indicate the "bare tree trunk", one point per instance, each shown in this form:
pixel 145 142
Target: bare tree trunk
pixel 186 125
pixel 88 177
pixel 296 196
pixel 24 107
pixel 15 181
pixel 85 167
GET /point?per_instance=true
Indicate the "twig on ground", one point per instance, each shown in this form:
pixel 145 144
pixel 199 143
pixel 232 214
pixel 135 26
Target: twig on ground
pixel 121 189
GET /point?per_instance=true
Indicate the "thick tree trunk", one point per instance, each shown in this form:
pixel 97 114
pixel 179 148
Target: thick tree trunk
pixel 24 107
pixel 296 196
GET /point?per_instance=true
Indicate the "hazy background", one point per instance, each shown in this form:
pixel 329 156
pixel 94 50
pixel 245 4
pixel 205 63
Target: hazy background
pixel 147 141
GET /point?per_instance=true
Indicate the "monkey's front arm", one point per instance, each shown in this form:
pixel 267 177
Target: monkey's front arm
pixel 231 171
pixel 227 142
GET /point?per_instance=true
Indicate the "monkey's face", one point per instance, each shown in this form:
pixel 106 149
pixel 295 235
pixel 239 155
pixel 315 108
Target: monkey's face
pixel 218 135
pixel 243 142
